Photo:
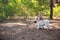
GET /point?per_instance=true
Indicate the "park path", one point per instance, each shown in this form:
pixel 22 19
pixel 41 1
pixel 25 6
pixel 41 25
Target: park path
pixel 23 31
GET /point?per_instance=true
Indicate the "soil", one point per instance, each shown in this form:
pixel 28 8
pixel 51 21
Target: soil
pixel 26 31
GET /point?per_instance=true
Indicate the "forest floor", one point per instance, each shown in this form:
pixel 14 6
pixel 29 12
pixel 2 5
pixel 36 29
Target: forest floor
pixel 26 31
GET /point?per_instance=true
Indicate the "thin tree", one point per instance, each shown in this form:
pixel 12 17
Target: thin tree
pixel 51 9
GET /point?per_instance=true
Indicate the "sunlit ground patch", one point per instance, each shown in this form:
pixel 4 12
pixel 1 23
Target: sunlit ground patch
pixel 11 24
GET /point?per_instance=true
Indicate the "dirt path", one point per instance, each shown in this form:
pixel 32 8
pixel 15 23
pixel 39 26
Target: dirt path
pixel 20 31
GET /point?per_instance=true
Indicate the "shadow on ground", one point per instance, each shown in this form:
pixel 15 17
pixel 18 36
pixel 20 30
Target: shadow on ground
pixel 17 31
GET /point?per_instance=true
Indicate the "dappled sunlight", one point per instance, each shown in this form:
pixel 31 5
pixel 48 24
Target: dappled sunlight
pixel 11 29
pixel 11 24
pixel 17 20
pixel 20 31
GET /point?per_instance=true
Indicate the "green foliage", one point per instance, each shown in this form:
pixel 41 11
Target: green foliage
pixel 32 7
pixel 8 9
pixel 25 8
pixel 4 1
pixel 56 10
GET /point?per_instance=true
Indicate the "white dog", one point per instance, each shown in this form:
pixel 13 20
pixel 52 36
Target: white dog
pixel 41 23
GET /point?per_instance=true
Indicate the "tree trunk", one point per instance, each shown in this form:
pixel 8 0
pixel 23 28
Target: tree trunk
pixel 56 1
pixel 51 9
